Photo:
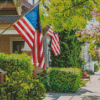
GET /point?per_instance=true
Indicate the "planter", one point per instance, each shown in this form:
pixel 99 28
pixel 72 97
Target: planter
pixel 84 74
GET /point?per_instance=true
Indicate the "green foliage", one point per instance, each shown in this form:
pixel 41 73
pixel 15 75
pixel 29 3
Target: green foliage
pixel 83 82
pixel 96 67
pixel 70 50
pixel 90 72
pixel 19 82
pixel 67 14
pixel 64 79
pixel 15 62
pixel 81 62
pixel 43 79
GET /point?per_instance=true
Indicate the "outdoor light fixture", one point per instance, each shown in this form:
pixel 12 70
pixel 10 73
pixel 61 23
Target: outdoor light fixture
pixel 26 47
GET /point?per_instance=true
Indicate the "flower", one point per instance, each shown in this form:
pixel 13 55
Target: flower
pixel 74 28
pixel 98 54
pixel 90 21
pixel 94 41
pixel 97 14
pixel 85 32
pixel 79 31
pixel 92 55
pixel 82 37
pixel 97 30
pixel 78 38
pixel 95 50
pixel 98 33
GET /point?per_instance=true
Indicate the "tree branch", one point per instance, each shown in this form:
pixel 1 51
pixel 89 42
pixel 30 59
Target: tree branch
pixel 81 3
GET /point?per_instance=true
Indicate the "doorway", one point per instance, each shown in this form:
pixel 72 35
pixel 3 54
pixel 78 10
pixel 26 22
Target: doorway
pixel 17 46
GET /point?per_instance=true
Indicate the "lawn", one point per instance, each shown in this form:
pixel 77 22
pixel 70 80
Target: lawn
pixel 83 82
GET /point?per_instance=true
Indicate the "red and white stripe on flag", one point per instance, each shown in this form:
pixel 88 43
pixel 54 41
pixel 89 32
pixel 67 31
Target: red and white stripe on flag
pixel 50 32
pixel 38 53
pixel 29 28
pixel 26 30
pixel 55 45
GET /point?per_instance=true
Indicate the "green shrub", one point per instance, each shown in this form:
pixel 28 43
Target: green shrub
pixel 83 82
pixel 19 83
pixel 15 62
pixel 70 50
pixel 90 72
pixel 64 79
pixel 96 67
pixel 43 79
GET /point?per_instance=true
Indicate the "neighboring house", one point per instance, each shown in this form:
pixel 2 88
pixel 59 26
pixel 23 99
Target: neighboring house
pixel 89 63
pixel 10 40
pixel 84 54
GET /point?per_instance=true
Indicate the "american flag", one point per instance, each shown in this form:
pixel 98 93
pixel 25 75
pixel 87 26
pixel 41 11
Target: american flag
pixel 29 28
pixel 50 31
pixel 55 45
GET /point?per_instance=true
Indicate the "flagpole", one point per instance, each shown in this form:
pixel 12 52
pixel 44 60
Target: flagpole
pixel 35 52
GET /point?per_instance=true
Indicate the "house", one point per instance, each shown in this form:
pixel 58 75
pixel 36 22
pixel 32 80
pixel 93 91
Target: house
pixel 10 40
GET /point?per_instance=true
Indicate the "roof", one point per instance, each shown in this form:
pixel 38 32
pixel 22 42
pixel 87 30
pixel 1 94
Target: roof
pixel 8 19
pixel 7 4
pixel 11 18
pixel 10 32
pixel 9 11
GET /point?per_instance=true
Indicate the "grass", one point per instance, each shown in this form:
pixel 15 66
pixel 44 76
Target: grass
pixel 90 74
pixel 83 82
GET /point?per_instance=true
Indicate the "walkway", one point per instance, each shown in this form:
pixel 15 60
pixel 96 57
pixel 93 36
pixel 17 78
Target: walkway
pixel 91 91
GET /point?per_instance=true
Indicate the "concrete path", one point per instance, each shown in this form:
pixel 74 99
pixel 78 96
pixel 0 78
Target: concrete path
pixel 91 91
pixel 58 96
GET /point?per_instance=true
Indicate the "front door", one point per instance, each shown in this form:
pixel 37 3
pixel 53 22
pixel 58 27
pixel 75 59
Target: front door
pixel 17 46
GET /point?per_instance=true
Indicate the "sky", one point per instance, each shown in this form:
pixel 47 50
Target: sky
pixel 30 1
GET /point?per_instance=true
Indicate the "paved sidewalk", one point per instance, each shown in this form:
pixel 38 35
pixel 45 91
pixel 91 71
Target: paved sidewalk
pixel 91 91
pixel 58 96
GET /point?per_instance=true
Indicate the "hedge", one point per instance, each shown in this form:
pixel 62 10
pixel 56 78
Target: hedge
pixel 70 50
pixel 64 79
pixel 96 67
pixel 15 62
pixel 19 83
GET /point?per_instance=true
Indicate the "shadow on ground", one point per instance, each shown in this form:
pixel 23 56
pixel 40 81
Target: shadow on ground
pixel 91 98
pixel 83 91
pixel 55 96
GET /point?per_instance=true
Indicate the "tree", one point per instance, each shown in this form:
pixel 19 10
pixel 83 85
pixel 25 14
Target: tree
pixel 67 14
pixel 70 50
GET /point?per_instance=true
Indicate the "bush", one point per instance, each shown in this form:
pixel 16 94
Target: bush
pixel 43 79
pixel 96 67
pixel 70 50
pixel 19 83
pixel 90 72
pixel 83 82
pixel 64 79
